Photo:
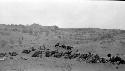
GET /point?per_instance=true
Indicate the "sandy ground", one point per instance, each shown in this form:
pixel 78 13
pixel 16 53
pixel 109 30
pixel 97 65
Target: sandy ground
pixel 90 41
pixel 78 68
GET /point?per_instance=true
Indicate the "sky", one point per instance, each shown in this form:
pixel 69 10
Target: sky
pixel 64 13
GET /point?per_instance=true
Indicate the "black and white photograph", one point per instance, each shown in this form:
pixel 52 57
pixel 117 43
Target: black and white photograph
pixel 62 35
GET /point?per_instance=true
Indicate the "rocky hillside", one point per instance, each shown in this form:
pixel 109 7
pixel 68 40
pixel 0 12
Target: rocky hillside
pixel 28 45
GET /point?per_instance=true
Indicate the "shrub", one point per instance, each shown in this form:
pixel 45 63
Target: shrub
pixel 26 51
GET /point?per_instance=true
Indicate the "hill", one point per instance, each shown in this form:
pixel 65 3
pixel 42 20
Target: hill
pixel 30 45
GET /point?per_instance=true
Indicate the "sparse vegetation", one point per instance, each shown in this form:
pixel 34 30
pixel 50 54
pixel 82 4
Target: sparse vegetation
pixel 26 51
pixel 2 54
pixel 13 53
pixel 58 49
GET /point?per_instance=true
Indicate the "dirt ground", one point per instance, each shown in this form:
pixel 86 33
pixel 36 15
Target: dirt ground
pixel 97 41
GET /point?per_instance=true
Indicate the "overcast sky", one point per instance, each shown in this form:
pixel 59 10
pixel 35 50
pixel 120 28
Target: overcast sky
pixel 64 13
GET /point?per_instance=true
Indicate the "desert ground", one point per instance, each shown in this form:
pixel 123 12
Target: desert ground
pixel 50 48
